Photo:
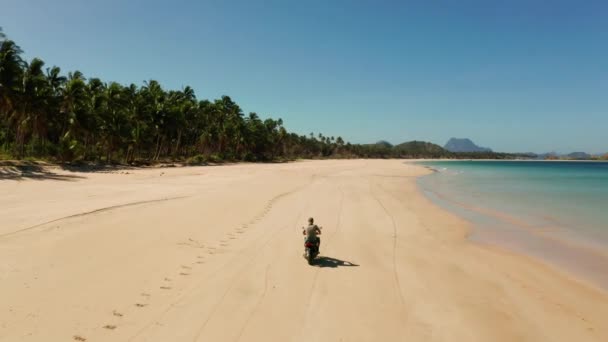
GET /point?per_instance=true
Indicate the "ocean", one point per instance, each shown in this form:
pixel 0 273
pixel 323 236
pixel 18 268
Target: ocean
pixel 556 211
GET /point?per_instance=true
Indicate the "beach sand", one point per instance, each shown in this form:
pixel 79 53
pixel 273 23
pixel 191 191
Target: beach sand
pixel 215 254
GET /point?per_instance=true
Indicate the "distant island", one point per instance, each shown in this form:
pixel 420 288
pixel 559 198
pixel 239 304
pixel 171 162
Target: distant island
pixel 568 156
pixel 464 145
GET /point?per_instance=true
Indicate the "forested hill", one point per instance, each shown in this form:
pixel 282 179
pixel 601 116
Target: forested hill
pixel 67 117
pixel 464 145
pixel 422 149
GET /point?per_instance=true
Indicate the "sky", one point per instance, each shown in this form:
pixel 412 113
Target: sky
pixel 515 76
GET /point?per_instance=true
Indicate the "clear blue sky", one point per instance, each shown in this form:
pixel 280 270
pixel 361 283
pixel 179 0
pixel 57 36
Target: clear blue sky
pixel 517 75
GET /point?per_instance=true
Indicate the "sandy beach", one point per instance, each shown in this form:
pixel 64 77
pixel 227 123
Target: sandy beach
pixel 215 254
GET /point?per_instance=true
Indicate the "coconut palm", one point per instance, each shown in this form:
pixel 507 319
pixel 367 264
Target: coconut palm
pixel 43 112
pixel 11 71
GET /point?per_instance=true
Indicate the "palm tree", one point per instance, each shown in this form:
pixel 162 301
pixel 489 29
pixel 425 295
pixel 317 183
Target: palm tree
pixel 204 127
pixel 131 103
pixel 154 107
pixel 55 85
pixel 30 112
pixel 88 119
pixel 74 113
pixel 181 105
pixel 92 122
pixel 11 71
pixel 117 127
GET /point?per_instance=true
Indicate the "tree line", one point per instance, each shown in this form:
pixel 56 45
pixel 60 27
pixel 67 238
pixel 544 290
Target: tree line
pixel 44 113
pixel 47 114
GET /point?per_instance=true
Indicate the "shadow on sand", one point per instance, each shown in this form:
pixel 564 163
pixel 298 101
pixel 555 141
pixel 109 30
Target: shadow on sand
pixel 36 172
pixel 324 261
pixel 101 168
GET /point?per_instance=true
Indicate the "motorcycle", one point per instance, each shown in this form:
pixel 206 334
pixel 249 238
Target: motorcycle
pixel 311 249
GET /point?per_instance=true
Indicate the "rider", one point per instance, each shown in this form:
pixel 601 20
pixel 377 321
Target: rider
pixel 312 232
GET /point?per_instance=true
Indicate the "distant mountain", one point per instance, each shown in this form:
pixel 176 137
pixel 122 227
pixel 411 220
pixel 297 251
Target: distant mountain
pixel 464 145
pixel 419 149
pixel 384 143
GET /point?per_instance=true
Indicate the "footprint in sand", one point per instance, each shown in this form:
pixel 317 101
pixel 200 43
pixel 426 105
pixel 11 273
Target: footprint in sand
pixel 165 288
pixel 184 274
pixel 116 313
pixel 79 338
pixel 109 327
pixel 167 279
pixel 186 267
pixel 200 262
pixel 140 305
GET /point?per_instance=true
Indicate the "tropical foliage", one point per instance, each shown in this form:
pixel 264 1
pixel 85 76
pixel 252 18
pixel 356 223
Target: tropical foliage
pixel 44 113
pixel 67 118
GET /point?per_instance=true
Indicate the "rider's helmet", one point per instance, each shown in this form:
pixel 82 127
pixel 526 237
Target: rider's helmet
pixel 311 220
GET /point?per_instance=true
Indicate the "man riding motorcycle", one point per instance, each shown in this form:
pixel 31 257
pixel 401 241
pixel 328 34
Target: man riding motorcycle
pixel 312 232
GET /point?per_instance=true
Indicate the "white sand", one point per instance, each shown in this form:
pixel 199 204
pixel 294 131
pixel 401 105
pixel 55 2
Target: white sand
pixel 215 254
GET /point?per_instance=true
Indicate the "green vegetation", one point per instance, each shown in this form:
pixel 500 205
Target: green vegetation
pixel 422 149
pixel 45 114
pixel 600 157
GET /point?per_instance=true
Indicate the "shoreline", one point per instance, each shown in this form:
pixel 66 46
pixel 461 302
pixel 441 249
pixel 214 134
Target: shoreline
pixel 222 246
pixel 491 243
pixel 514 235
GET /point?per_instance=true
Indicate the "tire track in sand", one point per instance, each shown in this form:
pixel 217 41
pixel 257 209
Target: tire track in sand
pixel 96 211
pixel 246 266
pixel 395 273
pixel 259 302
pixel 256 305
pixel 211 276
pixel 318 270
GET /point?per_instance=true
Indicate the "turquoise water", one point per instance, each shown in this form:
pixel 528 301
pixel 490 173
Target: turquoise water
pixel 556 211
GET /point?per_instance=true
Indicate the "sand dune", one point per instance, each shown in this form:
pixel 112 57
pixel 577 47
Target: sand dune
pixel 215 254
